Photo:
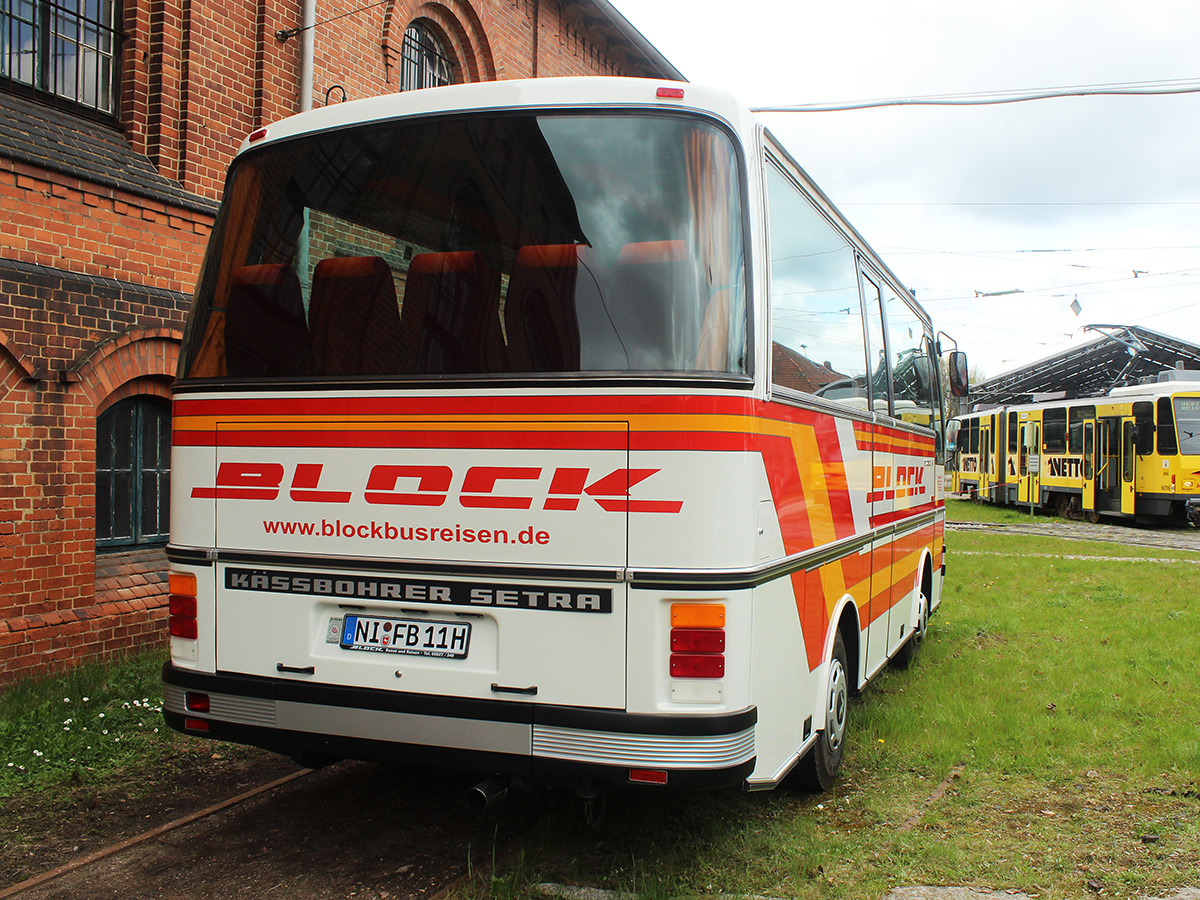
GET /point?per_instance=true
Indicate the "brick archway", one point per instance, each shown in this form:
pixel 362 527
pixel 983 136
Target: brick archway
pixel 455 21
pixel 137 362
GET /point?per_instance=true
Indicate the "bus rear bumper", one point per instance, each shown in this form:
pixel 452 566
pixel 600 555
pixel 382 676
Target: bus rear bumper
pixel 555 744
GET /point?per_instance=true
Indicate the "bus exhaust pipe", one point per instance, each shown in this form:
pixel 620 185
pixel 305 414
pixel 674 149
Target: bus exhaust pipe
pixel 487 793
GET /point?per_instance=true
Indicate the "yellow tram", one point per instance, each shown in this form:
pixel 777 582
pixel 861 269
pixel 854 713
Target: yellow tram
pixel 1133 453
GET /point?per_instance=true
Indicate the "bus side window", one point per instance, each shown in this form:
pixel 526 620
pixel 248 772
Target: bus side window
pixel 878 373
pixel 913 369
pixel 816 319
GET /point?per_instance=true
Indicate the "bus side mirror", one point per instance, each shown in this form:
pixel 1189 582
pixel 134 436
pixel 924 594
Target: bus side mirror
pixel 959 386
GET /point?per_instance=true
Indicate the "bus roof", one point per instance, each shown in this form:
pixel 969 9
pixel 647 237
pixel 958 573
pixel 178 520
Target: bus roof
pixel 532 93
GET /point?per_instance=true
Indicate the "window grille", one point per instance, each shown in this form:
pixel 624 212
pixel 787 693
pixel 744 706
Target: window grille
pixel 67 48
pixel 423 63
pixel 133 472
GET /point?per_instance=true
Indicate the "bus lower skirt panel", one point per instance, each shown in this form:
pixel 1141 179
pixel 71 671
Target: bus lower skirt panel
pixel 513 743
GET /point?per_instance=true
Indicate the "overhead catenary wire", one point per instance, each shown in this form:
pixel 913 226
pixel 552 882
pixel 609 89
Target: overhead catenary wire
pixel 994 98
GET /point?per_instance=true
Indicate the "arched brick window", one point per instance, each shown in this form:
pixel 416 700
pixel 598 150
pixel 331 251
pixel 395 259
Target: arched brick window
pixel 133 470
pixel 423 61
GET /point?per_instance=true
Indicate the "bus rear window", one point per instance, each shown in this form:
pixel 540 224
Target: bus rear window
pixel 478 245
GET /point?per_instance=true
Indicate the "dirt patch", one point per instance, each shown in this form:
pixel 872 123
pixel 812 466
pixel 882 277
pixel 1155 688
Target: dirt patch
pixel 349 830
pixel 46 829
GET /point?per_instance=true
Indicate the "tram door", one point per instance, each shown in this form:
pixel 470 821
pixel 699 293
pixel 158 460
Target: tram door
pixel 1128 464
pixel 1001 447
pixel 985 458
pixel 1089 466
pixel 1029 486
pixel 1109 469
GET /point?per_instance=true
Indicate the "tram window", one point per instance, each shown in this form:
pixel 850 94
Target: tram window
pixel 1143 416
pixel 1127 452
pixel 1054 430
pixel 1077 416
pixel 1012 433
pixel 816 318
pixel 1187 421
pixel 1167 443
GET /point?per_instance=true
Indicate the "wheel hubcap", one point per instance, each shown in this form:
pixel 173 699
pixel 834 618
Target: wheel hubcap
pixel 835 715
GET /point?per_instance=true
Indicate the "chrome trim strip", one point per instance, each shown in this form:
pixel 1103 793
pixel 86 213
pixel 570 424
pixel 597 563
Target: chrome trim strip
pixel 649 750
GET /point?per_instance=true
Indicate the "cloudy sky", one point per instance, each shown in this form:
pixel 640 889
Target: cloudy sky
pixel 1061 200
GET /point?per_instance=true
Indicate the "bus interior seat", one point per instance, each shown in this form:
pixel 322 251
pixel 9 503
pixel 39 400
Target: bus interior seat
pixel 354 317
pixel 540 320
pixel 265 330
pixel 649 275
pixel 450 319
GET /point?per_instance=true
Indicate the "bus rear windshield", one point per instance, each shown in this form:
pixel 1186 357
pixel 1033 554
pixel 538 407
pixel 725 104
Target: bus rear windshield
pixel 478 245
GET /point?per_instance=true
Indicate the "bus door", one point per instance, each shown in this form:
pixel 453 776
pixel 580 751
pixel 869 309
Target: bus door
pixel 1029 485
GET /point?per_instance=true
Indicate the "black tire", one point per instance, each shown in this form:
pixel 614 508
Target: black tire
pixel 819 768
pixel 908 650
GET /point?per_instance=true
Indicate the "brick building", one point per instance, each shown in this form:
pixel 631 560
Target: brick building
pixel 115 133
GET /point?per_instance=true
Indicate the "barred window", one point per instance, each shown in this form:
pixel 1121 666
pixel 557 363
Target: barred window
pixel 424 62
pixel 67 48
pixel 133 472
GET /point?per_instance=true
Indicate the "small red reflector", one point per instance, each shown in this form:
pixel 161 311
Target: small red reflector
pixel 195 725
pixel 670 93
pixel 258 135
pixel 183 627
pixel 197 703
pixel 183 606
pixel 685 665
pixel 648 776
pixel 697 640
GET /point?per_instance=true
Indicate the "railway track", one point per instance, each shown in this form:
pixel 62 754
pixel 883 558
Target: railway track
pixel 350 830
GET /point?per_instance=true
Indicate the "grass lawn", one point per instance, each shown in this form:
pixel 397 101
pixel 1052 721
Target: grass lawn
pixel 1045 740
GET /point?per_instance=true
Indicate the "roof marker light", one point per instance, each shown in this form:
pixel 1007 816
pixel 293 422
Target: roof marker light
pixel 670 93
pixel 257 135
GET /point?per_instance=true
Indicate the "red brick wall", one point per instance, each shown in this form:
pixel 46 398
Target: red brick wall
pixel 95 281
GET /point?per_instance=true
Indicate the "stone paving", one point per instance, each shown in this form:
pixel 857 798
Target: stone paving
pixel 1162 538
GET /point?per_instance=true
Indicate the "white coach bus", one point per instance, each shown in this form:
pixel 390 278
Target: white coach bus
pixel 558 430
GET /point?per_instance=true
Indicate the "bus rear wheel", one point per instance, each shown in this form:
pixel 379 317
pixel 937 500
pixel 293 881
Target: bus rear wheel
pixel 819 768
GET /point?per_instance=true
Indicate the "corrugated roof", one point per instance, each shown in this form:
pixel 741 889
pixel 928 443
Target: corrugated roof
pixel 1121 355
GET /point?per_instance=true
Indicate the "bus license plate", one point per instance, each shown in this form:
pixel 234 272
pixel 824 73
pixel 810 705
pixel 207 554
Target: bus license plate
pixel 415 637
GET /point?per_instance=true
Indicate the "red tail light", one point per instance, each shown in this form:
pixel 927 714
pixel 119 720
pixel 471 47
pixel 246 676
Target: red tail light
pixel 698 640
pixel 182 604
pixel 197 703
